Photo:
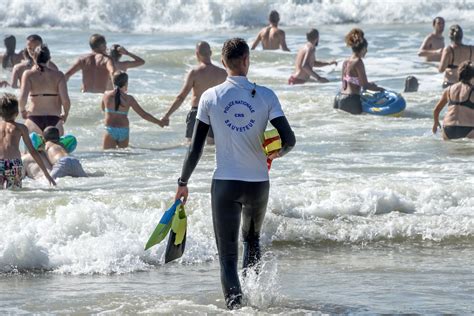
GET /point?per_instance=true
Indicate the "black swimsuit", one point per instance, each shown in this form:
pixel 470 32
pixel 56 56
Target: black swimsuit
pixel 455 132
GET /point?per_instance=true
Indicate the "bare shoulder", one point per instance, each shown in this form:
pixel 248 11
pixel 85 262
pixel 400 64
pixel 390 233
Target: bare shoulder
pixel 21 128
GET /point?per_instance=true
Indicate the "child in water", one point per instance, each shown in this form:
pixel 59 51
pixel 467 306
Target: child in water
pixel 11 165
pixel 62 164
pixel 116 104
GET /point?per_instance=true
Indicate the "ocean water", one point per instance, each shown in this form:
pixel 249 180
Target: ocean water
pixel 366 215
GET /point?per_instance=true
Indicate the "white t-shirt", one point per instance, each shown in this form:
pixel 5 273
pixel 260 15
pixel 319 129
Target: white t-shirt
pixel 239 121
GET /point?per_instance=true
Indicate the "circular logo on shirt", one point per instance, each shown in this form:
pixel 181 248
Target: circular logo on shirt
pixel 239 116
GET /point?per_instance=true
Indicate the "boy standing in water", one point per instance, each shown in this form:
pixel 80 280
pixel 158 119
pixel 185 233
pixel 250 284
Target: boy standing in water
pixel 271 36
pixel 238 111
pixel 433 45
pixel 11 166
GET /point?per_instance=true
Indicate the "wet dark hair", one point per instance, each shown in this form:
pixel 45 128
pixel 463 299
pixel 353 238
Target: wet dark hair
pixel 411 84
pixel 233 51
pixel 51 134
pixel 466 72
pixel 10 45
pixel 437 18
pixel 312 35
pixel 120 80
pixel 34 37
pixel 455 33
pixel 274 17
pixel 96 40
pixel 42 55
pixel 8 106
pixel 114 53
pixel 356 40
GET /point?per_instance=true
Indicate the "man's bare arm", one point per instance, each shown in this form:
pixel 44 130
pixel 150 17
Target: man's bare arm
pixel 307 67
pixel 283 41
pixel 75 68
pixel 319 63
pixel 426 51
pixel 257 40
pixel 16 76
pixel 64 97
pixel 188 85
pixel 24 92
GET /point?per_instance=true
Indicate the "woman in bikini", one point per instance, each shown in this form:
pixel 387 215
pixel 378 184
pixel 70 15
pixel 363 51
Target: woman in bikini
pixel 116 105
pixel 453 55
pixel 354 78
pixel 459 119
pixel 117 51
pixel 48 94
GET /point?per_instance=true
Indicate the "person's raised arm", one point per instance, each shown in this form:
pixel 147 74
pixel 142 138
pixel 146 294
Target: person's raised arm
pixel 283 41
pixel 75 68
pixel 16 75
pixel 64 97
pixel 445 57
pixel 438 108
pixel 307 67
pixel 188 85
pixel 34 153
pixel 191 160
pixel 257 40
pixel 24 92
pixel 287 136
pixel 137 61
pixel 110 68
pixel 144 114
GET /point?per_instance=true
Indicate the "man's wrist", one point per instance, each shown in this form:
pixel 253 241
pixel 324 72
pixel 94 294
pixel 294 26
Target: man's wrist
pixel 182 183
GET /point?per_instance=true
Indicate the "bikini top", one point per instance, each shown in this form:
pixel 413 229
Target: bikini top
pixel 115 112
pixel 348 78
pixel 452 65
pixel 467 103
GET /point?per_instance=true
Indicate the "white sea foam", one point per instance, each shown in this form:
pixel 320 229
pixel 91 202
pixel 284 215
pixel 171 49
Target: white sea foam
pixel 190 15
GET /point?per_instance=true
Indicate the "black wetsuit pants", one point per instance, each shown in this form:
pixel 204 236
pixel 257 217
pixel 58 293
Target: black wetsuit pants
pixel 232 201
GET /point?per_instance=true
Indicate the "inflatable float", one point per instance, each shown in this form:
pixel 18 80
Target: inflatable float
pixel 385 102
pixel 69 142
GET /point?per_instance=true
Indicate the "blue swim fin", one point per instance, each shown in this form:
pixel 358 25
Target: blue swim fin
pixel 163 226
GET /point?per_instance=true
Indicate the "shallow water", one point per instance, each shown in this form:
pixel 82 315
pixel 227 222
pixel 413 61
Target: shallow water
pixel 366 215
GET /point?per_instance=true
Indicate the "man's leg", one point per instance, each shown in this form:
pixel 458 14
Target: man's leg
pixel 226 212
pixel 255 206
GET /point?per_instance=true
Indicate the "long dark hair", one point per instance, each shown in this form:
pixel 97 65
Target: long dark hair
pixel 114 52
pixel 10 44
pixel 120 80
pixel 42 56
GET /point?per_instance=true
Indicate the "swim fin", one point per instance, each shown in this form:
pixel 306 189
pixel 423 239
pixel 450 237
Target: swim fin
pixel 163 226
pixel 177 239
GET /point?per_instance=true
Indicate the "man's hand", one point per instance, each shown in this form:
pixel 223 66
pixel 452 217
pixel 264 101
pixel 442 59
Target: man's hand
pixel 182 192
